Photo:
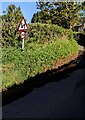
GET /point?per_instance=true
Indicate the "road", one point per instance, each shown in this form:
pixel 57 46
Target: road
pixel 64 98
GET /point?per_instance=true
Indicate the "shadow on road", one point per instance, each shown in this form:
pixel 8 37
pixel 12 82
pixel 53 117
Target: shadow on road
pixel 18 91
pixel 81 59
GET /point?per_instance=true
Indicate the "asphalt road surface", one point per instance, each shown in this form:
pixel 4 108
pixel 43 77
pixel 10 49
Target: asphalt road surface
pixel 56 99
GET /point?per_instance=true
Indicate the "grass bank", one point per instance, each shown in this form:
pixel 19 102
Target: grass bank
pixel 36 58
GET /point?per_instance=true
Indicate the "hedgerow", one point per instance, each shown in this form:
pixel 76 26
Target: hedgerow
pixel 42 33
pixel 39 33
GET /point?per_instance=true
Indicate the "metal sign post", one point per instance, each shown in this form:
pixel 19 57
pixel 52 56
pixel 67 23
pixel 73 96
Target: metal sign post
pixel 23 35
pixel 22 28
pixel 23 44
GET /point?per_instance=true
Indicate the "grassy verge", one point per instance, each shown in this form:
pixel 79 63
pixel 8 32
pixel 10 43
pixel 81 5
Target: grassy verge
pixel 36 58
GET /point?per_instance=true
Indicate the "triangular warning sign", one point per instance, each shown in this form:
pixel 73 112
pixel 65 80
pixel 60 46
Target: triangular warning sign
pixel 23 25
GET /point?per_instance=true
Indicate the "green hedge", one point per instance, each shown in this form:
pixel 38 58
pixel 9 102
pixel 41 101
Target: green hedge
pixel 39 33
pixel 36 58
pixel 42 33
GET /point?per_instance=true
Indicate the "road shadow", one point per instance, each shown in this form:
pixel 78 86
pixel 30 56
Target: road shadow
pixel 81 59
pixel 54 75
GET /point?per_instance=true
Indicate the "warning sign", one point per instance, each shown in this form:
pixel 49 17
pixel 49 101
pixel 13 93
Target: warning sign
pixel 23 25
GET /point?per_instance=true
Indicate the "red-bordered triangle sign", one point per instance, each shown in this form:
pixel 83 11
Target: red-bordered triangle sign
pixel 23 25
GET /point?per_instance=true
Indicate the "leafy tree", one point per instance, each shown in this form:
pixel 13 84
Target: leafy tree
pixel 37 17
pixel 64 14
pixel 10 20
pixel 67 14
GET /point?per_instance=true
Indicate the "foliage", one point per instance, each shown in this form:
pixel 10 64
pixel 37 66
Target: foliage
pixel 36 58
pixel 10 21
pixel 79 37
pixel 51 12
pixel 42 33
pixel 65 14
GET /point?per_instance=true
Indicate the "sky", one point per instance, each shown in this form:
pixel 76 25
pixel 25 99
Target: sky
pixel 27 8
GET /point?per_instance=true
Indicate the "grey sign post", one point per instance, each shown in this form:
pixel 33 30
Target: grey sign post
pixel 23 34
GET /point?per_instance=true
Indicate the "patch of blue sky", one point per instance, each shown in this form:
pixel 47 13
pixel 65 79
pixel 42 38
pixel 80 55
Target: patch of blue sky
pixel 27 8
